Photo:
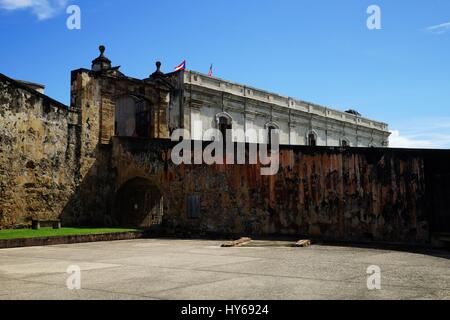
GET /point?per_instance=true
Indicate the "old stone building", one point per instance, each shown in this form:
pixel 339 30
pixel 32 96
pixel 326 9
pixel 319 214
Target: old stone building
pixel 105 160
pixel 212 102
pixel 198 102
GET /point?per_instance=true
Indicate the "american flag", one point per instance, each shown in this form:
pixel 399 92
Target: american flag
pixel 181 66
pixel 210 73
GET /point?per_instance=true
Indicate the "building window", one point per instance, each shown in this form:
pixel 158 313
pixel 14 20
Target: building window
pixel 132 117
pixel 193 207
pixel 270 132
pixel 143 119
pixel 272 129
pixel 224 123
pixel 345 143
pixel 312 139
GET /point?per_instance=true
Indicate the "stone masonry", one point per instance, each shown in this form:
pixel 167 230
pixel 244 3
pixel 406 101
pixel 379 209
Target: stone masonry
pixel 37 154
pixel 105 161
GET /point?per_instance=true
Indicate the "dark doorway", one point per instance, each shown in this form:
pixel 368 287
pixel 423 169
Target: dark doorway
pixel 139 203
pixel 143 120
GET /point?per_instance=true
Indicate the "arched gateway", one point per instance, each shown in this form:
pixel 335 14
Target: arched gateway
pixel 138 203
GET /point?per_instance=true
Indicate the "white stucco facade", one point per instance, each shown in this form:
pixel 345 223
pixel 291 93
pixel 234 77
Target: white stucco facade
pixel 207 100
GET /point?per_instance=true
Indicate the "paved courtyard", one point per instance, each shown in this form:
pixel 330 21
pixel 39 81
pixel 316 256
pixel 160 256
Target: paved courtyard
pixel 177 269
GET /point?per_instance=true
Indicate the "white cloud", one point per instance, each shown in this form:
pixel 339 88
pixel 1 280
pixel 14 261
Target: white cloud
pixel 396 140
pixel 424 132
pixel 43 9
pixel 440 28
pixel 419 141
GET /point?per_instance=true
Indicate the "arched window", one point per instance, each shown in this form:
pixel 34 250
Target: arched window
pixel 312 139
pixel 224 123
pixel 272 128
pixel 345 143
pixel 132 117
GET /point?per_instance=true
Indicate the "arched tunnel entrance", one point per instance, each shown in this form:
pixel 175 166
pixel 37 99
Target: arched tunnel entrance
pixel 138 203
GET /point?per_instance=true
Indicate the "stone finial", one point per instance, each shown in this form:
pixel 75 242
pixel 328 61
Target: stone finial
pixel 101 62
pixel 158 71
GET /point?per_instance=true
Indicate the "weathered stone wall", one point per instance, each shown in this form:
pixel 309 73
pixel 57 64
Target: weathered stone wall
pixel 54 159
pixel 94 96
pixel 348 194
pixel 37 155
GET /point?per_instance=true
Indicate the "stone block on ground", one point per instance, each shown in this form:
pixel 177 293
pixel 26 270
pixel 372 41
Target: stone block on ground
pixel 303 243
pixel 237 243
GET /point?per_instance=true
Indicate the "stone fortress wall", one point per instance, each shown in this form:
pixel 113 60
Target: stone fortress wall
pixel 98 163
pixel 38 154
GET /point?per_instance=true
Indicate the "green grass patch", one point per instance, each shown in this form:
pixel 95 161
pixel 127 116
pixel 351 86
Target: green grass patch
pixel 49 232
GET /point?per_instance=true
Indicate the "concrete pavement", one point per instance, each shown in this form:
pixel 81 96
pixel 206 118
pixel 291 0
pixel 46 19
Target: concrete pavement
pixel 196 269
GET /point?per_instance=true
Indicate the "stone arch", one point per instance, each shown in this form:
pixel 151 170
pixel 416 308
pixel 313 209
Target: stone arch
pixel 224 115
pixel 138 203
pixel 273 125
pixel 133 116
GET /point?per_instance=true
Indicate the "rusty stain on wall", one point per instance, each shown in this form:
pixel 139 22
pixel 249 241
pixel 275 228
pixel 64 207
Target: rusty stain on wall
pixel 348 194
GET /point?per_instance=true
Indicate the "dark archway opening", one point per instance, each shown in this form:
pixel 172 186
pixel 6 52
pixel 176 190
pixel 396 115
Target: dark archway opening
pixel 312 141
pixel 224 127
pixel 139 203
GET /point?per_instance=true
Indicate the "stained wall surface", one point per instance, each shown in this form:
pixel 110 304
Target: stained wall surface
pixel 336 193
pixel 37 155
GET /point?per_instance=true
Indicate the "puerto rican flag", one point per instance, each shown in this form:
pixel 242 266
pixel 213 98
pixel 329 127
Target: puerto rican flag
pixel 181 66
pixel 210 73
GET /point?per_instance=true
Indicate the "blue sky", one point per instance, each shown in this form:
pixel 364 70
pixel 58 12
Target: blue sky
pixel 316 50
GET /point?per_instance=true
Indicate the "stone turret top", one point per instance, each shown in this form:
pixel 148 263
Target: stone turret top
pixel 101 62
